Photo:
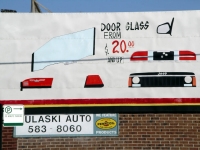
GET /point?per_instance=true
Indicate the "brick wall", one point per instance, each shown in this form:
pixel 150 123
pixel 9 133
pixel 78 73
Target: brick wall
pixel 136 131
pixel 8 142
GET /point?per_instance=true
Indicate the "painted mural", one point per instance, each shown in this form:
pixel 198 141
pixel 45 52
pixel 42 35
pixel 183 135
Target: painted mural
pixel 88 56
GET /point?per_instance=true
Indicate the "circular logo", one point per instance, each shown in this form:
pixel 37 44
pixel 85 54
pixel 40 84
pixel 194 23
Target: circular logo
pixel 106 123
pixel 8 109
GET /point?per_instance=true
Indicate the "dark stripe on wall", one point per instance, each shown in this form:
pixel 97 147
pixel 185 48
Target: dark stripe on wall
pixel 32 63
pixel 113 109
pixel 94 41
pixel 128 101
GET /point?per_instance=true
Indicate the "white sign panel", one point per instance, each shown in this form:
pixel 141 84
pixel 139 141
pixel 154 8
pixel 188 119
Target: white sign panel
pixel 56 124
pixel 13 115
pixel 82 55
pixel 68 125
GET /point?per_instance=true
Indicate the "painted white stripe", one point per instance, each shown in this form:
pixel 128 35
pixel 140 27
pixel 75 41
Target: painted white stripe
pixel 136 85
pixel 187 84
pixel 150 55
pixel 176 55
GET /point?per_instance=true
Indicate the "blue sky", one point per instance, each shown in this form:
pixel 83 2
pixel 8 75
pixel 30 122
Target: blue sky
pixel 103 5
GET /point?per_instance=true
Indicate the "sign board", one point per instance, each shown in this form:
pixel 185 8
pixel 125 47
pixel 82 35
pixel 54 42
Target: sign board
pixel 13 115
pixel 109 59
pixel 68 125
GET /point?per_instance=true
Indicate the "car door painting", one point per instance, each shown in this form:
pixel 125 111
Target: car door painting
pixel 66 48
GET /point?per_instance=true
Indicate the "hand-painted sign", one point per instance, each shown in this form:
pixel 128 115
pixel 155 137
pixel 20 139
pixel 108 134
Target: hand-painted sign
pixel 68 125
pixel 92 59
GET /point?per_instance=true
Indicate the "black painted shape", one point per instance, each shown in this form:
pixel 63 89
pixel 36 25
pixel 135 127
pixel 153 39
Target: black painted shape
pixel 113 109
pixel 94 42
pixel 32 62
pixel 163 81
pixel 32 87
pixel 21 86
pixel 163 55
pixel 170 27
pixel 94 86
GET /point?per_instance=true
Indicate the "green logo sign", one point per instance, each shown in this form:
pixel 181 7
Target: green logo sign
pixel 8 109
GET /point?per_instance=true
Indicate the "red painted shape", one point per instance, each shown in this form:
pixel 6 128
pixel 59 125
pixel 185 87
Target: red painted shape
pixel 130 82
pixel 139 55
pixel 37 82
pixel 194 81
pixel 104 101
pixel 186 55
pixel 93 81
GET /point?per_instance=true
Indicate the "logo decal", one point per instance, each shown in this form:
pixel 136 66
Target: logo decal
pixel 106 123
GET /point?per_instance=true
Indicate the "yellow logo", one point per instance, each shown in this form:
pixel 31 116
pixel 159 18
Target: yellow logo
pixel 106 123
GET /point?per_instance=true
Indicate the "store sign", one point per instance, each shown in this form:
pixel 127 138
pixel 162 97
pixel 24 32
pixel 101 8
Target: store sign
pixel 68 125
pixel 13 115
pixel 100 59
